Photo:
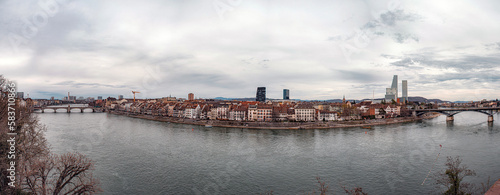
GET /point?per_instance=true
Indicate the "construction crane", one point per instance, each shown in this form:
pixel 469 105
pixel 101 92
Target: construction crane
pixel 134 92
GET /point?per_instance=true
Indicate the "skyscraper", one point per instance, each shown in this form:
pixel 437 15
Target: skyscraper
pixel 120 97
pixel 190 96
pixel 286 94
pixel 261 94
pixel 405 90
pixel 392 93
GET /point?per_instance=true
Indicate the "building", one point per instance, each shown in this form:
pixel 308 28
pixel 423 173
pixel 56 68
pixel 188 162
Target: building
pixel 405 91
pixel 286 94
pixel 264 112
pixel 252 112
pixel 238 113
pixel 305 112
pixel 69 98
pixel 99 97
pixel 392 93
pixel 120 97
pixel 261 94
pixel 325 115
pixel 190 96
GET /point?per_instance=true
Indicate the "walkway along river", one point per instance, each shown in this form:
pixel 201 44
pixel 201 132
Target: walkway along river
pixel 282 125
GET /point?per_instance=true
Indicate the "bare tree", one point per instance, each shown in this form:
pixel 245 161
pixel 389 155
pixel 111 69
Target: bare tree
pixel 323 188
pixel 62 174
pixel 38 171
pixel 74 176
pixel 354 191
pixel 453 177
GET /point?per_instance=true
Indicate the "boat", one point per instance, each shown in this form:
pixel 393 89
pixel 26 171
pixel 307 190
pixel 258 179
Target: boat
pixel 366 127
pixel 208 126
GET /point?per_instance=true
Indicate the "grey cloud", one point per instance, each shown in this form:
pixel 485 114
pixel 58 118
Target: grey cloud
pixel 79 84
pixel 401 38
pixel 460 63
pixel 385 25
pixel 489 77
pixel 390 18
pixel 493 46
pixel 360 76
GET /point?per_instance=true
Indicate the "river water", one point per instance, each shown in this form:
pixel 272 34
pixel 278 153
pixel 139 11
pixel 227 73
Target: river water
pixel 137 156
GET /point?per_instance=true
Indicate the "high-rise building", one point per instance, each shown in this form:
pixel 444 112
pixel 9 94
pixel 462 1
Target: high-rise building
pixel 120 97
pixel 99 97
pixel 190 96
pixel 392 93
pixel 286 94
pixel 405 90
pixel 261 94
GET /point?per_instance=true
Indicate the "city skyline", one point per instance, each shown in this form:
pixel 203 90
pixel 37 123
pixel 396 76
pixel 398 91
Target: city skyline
pixel 318 50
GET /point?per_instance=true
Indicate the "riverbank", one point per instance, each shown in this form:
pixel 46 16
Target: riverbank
pixel 281 125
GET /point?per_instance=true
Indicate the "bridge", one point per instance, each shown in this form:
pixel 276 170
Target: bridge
pixel 68 109
pixel 450 112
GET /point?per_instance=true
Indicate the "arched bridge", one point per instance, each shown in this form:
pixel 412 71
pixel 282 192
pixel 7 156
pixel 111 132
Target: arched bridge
pixel 68 109
pixel 450 112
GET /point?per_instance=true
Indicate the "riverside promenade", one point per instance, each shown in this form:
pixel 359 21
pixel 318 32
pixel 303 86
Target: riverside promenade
pixel 281 125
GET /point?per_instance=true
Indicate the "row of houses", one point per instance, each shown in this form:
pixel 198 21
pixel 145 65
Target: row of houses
pixel 257 111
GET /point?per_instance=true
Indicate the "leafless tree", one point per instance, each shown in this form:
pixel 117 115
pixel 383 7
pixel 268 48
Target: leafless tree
pixel 485 187
pixel 354 191
pixel 62 174
pixel 323 188
pixel 38 171
pixel 453 176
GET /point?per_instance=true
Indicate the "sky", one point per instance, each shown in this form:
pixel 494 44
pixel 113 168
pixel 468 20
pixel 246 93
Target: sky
pixel 227 48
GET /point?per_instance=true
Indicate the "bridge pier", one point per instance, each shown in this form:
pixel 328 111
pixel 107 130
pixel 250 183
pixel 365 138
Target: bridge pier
pixel 81 110
pixel 449 118
pixel 43 111
pixel 490 118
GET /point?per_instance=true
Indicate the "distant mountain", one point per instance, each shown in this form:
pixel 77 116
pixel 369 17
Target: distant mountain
pixel 411 99
pixel 422 99
pixel 237 99
pixel 461 101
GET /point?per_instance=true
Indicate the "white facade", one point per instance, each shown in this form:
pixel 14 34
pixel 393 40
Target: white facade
pixel 237 115
pixel 327 116
pixel 264 114
pixel 252 113
pixel 304 114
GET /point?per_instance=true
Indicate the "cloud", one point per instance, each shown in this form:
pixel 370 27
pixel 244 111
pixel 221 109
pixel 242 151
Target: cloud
pixel 430 59
pixel 359 76
pixel 386 24
pixel 318 50
pixel 73 84
pixel 390 18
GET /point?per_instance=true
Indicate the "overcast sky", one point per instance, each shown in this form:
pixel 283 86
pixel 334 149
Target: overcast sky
pixel 317 49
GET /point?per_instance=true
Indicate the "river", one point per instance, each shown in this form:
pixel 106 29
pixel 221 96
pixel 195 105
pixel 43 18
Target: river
pixel 137 156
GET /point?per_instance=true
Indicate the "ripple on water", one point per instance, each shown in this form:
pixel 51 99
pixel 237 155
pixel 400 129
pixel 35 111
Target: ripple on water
pixel 136 156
